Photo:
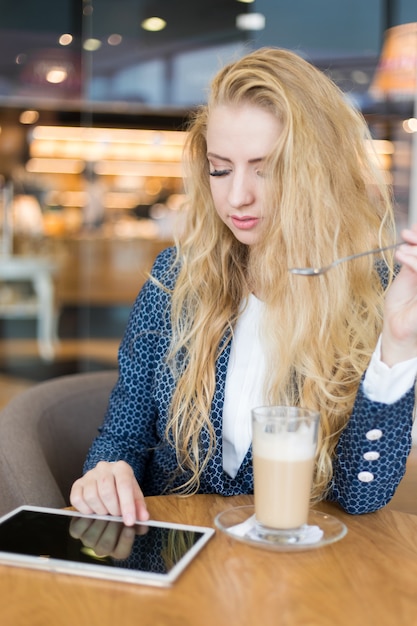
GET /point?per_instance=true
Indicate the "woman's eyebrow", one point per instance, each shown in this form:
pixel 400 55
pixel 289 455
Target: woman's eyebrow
pixel 222 158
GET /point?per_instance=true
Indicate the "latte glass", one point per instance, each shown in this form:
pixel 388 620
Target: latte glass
pixel 284 443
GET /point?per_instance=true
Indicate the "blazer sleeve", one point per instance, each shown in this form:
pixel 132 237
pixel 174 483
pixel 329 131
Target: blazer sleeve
pixel 129 431
pixel 371 453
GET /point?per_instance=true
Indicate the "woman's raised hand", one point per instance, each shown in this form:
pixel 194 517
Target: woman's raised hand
pixel 399 337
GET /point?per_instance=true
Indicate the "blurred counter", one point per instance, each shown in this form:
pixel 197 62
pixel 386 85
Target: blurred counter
pixel 101 271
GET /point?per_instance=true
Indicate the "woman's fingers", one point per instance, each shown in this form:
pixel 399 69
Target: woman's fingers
pixel 110 489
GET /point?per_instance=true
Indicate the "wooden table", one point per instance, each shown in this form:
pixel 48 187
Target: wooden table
pixel 368 578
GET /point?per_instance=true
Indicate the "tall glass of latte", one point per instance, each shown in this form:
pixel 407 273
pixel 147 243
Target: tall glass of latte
pixel 284 442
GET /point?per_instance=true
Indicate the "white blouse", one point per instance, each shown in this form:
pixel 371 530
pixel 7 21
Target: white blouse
pixel 246 373
pixel 244 381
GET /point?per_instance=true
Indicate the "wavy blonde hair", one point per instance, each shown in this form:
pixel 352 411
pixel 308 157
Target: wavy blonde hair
pixel 329 200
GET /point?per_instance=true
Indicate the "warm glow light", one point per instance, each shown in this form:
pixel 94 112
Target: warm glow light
pixel 78 199
pixel 153 24
pixel 381 146
pixel 381 152
pixel 55 166
pixel 118 200
pixel 246 1
pixel 66 198
pixel 29 117
pixel 91 44
pixel 94 151
pixel 110 135
pixel 130 168
pixel 65 39
pixel 396 74
pixel 410 126
pixel 56 75
pixel 108 142
pixel 119 151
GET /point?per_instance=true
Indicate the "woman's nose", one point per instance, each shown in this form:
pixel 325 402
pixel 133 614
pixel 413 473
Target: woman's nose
pixel 240 192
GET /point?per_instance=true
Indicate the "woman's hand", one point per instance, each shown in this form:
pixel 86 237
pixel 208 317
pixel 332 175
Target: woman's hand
pixel 399 336
pixel 110 489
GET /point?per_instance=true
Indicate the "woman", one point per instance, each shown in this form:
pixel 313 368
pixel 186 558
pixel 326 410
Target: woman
pixel 279 176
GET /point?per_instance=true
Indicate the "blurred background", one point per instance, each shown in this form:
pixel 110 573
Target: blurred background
pixel 94 95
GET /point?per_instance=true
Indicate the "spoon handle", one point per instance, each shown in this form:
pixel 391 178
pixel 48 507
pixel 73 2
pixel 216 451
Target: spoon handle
pixel 374 251
pixel 317 271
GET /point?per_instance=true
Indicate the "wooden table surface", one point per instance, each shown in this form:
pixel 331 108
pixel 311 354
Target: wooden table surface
pixel 368 578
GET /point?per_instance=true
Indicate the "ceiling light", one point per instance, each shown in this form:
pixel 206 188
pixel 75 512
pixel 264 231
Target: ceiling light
pixel 65 39
pixel 21 59
pixel 131 168
pixel 110 135
pixel 29 117
pixel 56 75
pixel 114 40
pixel 250 21
pixel 91 44
pixel 55 166
pixel 410 125
pixel 153 24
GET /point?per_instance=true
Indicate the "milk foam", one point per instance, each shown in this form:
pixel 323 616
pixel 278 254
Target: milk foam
pixel 292 446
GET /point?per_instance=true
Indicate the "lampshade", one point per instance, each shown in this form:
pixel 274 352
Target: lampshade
pixel 396 73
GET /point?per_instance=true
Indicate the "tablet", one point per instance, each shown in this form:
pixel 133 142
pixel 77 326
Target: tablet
pixel 60 540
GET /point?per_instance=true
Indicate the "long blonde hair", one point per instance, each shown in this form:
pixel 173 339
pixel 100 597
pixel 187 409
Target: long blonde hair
pixel 330 201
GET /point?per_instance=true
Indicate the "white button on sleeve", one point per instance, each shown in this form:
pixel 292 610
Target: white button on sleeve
pixel 365 477
pixel 371 455
pixel 374 434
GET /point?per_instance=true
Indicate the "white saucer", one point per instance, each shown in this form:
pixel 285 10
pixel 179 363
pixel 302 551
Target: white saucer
pixel 240 524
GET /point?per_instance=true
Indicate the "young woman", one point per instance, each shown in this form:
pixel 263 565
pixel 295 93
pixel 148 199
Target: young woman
pixel 280 175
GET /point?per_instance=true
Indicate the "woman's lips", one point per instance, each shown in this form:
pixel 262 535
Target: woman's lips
pixel 245 222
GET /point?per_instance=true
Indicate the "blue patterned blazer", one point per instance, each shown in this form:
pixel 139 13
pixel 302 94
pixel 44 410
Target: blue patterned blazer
pixel 371 453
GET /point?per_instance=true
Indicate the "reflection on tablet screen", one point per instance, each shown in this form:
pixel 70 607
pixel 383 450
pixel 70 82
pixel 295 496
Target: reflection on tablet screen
pixel 143 548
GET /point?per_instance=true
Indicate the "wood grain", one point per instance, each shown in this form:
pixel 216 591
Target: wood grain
pixel 369 577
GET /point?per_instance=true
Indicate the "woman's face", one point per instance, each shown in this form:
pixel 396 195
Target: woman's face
pixel 239 138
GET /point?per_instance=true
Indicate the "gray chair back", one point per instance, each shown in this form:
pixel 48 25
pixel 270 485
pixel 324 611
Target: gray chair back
pixel 45 434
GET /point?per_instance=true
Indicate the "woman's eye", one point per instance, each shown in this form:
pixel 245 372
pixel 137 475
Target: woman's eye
pixel 219 172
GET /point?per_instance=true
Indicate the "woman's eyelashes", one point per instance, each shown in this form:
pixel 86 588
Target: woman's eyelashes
pixel 225 172
pixel 219 172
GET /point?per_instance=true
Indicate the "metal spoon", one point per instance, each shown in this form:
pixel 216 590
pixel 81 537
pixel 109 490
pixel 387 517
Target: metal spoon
pixel 317 271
